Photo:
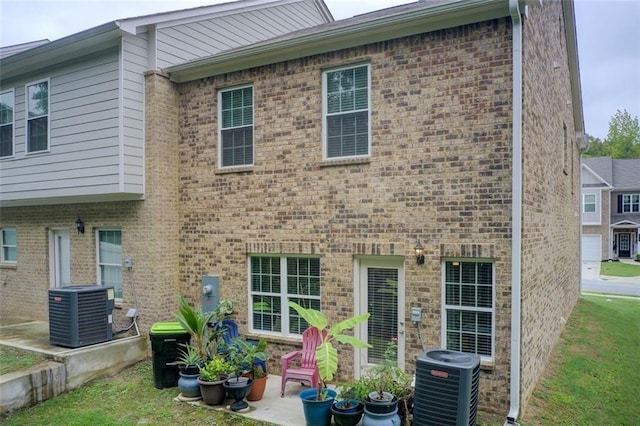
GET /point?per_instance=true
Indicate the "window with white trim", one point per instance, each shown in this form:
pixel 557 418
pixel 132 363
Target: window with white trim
pixel 469 306
pixel 589 203
pixel 109 257
pixel 37 116
pixel 631 203
pixel 346 106
pixel 9 245
pixel 273 282
pixel 7 117
pixel 236 127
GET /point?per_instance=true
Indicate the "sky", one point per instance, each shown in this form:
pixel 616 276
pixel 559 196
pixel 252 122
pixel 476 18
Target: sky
pixel 608 39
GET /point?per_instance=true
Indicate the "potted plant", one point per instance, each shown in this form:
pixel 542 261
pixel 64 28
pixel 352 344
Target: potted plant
pixel 388 386
pixel 347 409
pixel 198 325
pixel 241 355
pixel 254 363
pixel 189 362
pixel 211 379
pixel 317 403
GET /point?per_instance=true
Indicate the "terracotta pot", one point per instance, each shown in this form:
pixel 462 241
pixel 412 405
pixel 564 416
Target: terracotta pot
pixel 257 390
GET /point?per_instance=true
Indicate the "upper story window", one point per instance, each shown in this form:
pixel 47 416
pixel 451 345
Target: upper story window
pixel 38 116
pixel 236 127
pixel 589 203
pixel 109 256
pixel 346 109
pixel 7 102
pixel 9 245
pixel 273 282
pixel 469 307
pixel 630 203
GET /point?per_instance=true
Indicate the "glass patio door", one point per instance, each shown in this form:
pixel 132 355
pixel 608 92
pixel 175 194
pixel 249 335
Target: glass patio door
pixel 381 293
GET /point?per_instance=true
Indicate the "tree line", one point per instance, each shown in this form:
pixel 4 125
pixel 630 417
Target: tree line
pixel 622 141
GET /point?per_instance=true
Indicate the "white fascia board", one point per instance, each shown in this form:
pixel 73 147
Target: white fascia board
pixel 60 50
pixel 574 72
pixel 331 37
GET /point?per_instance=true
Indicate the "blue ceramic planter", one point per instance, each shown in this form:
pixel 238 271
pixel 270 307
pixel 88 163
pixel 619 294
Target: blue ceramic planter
pixel 317 413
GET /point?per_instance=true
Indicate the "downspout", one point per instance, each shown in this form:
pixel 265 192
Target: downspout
pixel 516 213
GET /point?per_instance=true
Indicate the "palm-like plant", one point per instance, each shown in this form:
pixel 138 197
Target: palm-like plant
pixel 197 324
pixel 326 353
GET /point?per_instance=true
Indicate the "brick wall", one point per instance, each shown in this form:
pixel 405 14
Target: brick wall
pixel 439 172
pixel 551 191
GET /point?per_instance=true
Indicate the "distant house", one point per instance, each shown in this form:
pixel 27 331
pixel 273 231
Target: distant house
pixel 610 208
pixel 312 166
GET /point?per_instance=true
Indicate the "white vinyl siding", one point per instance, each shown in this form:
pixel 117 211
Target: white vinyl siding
pixel 37 112
pixel 273 282
pixel 346 104
pixel 177 43
pixel 469 307
pixel 236 127
pixel 135 63
pixel 93 152
pixel 109 255
pixel 7 118
pixel 9 243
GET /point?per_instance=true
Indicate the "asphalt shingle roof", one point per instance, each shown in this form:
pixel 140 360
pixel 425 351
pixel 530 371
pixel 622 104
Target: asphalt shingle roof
pixel 622 174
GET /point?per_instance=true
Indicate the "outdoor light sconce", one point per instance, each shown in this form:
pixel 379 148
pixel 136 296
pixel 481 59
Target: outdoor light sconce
pixel 419 253
pixel 80 225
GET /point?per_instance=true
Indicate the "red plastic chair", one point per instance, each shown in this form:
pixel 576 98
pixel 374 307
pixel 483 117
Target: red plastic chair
pixel 307 371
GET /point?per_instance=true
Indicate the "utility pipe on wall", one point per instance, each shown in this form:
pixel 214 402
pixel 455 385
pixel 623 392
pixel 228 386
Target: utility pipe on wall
pixel 516 213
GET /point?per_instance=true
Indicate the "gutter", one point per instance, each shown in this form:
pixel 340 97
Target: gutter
pixel 516 214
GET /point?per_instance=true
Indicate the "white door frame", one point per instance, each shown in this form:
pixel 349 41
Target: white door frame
pixel 59 249
pixel 360 304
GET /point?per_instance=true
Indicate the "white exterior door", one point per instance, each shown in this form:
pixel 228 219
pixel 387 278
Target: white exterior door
pixel 379 290
pixel 60 258
pixel 591 248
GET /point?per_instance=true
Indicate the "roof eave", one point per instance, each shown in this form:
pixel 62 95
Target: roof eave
pixel 341 37
pixel 574 72
pixel 60 50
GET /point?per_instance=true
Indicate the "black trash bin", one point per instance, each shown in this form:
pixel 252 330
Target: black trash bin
pixel 167 338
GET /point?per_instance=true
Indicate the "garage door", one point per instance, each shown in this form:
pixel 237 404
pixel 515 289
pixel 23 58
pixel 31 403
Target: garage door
pixel 591 248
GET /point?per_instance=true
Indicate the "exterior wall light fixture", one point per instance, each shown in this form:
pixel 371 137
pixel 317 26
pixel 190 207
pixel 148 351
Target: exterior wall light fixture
pixel 419 253
pixel 80 225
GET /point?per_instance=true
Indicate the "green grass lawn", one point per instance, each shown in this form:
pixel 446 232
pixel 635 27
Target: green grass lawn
pixel 12 359
pixel 593 379
pixel 619 269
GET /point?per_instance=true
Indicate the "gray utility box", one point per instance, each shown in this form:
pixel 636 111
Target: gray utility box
pixel 80 315
pixel 447 388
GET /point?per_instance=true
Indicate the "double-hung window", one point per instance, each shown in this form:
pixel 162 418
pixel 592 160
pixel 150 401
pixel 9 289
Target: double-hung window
pixel 7 102
pixel 236 127
pixel 276 280
pixel 37 116
pixel 469 307
pixel 589 203
pixel 631 203
pixel 109 248
pixel 9 245
pixel 346 112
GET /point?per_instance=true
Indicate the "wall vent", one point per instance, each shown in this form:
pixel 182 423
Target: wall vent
pixel 80 315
